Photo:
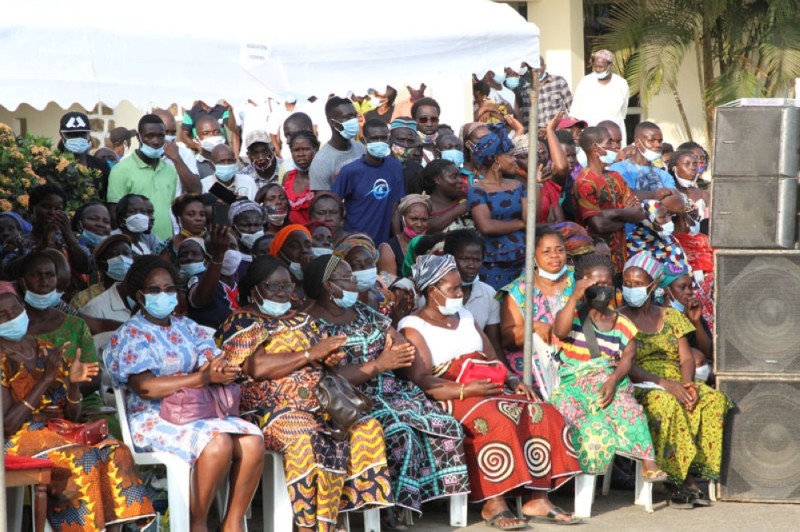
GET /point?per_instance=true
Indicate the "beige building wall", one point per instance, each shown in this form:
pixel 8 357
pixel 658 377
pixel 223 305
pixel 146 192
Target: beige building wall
pixel 560 25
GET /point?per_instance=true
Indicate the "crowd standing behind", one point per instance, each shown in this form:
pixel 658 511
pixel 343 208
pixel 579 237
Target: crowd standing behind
pixel 245 252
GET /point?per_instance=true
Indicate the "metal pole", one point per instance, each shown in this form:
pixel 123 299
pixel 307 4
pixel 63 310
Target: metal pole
pixel 3 513
pixel 530 231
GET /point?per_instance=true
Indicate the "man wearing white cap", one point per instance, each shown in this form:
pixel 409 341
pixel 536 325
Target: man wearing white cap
pixel 601 94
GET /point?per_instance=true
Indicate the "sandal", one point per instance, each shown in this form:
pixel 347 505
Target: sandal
pixel 655 476
pixel 551 516
pixel 681 499
pixel 505 514
pixel 699 498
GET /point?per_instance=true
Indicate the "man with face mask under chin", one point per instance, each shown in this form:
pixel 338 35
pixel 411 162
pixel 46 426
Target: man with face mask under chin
pixel 601 94
pixel 76 139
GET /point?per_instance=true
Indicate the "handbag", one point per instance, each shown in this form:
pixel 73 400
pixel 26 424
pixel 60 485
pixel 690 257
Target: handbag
pixel 476 369
pixel 89 434
pixel 186 405
pixel 341 401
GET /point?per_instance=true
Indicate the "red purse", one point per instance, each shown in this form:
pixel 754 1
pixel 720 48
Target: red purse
pixel 89 434
pixel 475 369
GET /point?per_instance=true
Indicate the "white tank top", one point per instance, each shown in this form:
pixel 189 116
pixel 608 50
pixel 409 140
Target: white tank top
pixel 446 344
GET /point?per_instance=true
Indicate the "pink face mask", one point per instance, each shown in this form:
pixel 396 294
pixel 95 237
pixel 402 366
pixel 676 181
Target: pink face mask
pixel 410 233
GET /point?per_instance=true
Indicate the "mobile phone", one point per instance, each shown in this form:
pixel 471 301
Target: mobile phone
pixel 222 193
pixel 219 213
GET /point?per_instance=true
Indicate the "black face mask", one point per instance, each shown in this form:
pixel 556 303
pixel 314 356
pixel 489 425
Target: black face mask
pixel 599 297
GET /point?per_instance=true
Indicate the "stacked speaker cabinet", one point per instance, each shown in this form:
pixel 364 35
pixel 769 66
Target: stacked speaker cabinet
pixel 754 215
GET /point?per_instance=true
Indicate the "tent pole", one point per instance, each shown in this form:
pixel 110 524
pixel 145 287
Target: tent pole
pixel 3 513
pixel 530 231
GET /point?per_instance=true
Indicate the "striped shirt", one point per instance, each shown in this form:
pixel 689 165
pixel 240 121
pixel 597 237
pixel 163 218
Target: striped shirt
pixel 611 343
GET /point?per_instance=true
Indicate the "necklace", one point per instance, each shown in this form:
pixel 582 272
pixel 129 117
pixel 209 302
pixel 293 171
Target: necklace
pixel 446 322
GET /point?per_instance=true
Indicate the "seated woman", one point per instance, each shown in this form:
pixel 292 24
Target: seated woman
pixel 112 258
pixel 553 283
pixel 284 355
pixel 190 212
pixel 467 247
pixel 426 457
pixel 442 181
pixel 92 223
pixel 292 246
pixel 154 354
pixel 92 488
pixel 595 395
pixel 322 237
pixel 686 416
pixel 414 210
pixel 511 441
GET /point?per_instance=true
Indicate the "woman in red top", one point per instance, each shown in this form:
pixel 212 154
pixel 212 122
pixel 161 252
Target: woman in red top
pixel 296 183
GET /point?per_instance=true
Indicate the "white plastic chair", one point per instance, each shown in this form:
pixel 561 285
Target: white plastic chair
pixel 585 487
pixel 458 512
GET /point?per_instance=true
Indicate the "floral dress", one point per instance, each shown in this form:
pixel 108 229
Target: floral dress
pixel 424 444
pixel 324 475
pixel 599 433
pixel 177 349
pixel 91 487
pixel 684 441
pixel 504 257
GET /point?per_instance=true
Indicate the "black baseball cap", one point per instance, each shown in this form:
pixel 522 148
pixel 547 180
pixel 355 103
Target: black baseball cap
pixel 74 121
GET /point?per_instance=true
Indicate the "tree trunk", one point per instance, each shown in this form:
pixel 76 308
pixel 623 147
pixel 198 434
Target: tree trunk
pixel 681 111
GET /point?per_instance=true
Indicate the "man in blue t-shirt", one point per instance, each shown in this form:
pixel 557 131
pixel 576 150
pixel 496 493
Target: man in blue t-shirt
pixel 372 185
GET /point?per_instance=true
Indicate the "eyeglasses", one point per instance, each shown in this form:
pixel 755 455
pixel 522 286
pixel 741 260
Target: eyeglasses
pixel 274 288
pixel 153 290
pixel 428 119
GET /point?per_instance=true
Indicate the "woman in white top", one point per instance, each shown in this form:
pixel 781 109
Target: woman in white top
pixel 511 441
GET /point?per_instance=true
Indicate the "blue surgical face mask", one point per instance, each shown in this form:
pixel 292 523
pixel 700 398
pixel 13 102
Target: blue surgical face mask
pixel 160 305
pixel 553 276
pixel 92 239
pixel 378 150
pixel 193 268
pixel 349 128
pixel 42 301
pixel 112 164
pixel 610 157
pixel 674 303
pixel 273 308
pixel 15 328
pixel 499 78
pixel 347 300
pixel 454 156
pixel 77 145
pixel 150 152
pixel 170 138
pixel 117 267
pixel 365 279
pixel 225 172
pixel 512 83
pixel 635 296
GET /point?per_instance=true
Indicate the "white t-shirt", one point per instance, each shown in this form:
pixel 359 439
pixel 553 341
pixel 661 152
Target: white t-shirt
pixel 446 344
pixel 594 101
pixel 241 185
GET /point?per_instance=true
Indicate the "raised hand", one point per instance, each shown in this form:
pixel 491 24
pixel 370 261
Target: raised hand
pixel 395 356
pixel 80 371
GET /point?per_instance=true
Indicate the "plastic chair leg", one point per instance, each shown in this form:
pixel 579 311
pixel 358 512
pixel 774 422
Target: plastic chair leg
pixel 372 520
pixel 458 510
pixel 584 495
pixel 607 479
pixel 278 516
pixel 644 490
pixel 712 491
pixel 179 479
pixel 15 501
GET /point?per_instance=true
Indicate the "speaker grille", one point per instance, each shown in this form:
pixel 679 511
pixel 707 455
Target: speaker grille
pixel 758 312
pixel 762 441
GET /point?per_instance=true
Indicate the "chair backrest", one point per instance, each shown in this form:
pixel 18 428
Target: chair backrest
pixel 119 398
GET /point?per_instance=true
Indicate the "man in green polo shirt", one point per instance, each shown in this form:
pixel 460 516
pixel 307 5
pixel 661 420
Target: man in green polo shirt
pixel 144 172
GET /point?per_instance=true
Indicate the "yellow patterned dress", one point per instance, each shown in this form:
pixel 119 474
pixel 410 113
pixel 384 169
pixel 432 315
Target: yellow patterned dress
pixel 684 441
pixel 92 487
pixel 324 475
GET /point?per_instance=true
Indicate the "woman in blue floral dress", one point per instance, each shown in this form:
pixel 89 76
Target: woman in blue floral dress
pixel 154 354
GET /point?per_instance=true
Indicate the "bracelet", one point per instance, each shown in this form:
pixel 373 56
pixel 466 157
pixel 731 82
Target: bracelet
pixel 74 401
pixel 307 355
pixel 26 403
pixel 217 263
pixel 461 395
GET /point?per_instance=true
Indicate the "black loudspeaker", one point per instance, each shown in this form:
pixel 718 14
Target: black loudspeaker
pixel 753 212
pixel 757 141
pixel 761 458
pixel 757 308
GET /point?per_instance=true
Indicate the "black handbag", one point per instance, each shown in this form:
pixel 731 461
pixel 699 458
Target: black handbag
pixel 341 401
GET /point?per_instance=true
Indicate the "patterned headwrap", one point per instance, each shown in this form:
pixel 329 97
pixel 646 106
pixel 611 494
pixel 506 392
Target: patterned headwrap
pixel 646 262
pixel 469 128
pixel 645 238
pixel 356 240
pixel 241 206
pixel 604 54
pixel 404 121
pixel 414 199
pixel 283 235
pixel 429 269
pixel 494 144
pixel 576 239
pixel 199 241
pixel 671 273
pixel 521 144
pixel 22 224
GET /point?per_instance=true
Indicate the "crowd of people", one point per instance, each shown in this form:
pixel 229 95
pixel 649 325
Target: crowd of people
pixel 231 251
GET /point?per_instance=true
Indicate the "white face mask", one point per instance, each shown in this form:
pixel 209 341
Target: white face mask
pixel 322 252
pixel 365 279
pixel 667 229
pixel 694 227
pixel 230 262
pixel 685 183
pixel 552 276
pixel 295 268
pixel 650 155
pixel 209 143
pixel 137 223
pixel 451 304
pixel 249 239
pixel 701 373
pixel 603 75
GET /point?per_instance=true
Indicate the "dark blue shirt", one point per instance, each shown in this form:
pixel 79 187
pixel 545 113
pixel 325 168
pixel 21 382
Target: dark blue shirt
pixel 369 194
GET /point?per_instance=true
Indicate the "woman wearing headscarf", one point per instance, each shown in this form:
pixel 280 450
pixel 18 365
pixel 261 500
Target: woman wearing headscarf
pixel 292 246
pixel 653 235
pixel 414 211
pixel 498 208
pixel 423 443
pixel 511 440
pixel 284 355
pixel 359 252
pixel 686 416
